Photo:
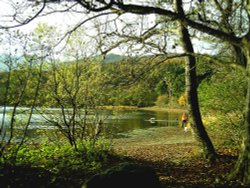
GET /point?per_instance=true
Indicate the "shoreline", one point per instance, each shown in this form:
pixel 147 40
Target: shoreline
pixel 162 109
pixel 152 108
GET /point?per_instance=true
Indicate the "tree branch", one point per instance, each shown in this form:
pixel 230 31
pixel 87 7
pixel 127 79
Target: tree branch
pixel 91 7
pixel 28 20
pixel 143 10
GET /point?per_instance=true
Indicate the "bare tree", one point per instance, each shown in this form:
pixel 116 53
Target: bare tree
pixel 206 21
pixel 22 71
pixel 70 87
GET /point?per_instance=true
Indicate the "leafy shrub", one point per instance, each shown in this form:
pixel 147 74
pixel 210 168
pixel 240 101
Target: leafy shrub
pixel 53 165
pixel 223 97
pixel 225 129
pixel 182 101
pixel 162 101
pixel 57 158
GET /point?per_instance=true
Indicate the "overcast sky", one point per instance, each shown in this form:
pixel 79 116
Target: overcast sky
pixel 63 21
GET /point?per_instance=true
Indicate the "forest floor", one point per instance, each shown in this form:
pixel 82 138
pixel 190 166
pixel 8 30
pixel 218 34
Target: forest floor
pixel 176 157
pixel 173 153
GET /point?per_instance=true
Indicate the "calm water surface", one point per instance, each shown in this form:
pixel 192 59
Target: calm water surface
pixel 119 121
pixel 128 120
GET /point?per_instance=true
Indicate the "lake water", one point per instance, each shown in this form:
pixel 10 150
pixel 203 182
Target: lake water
pixel 127 120
pixel 120 121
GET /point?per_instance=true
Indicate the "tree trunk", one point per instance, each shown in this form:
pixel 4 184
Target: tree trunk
pixel 191 90
pixel 242 167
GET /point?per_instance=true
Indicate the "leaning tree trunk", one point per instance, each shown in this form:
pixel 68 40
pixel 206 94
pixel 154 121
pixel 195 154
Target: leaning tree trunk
pixel 191 90
pixel 242 167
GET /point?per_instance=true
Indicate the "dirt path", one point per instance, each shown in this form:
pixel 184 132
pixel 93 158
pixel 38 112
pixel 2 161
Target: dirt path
pixel 176 157
pixel 157 144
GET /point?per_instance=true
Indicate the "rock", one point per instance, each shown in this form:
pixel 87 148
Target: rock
pixel 126 175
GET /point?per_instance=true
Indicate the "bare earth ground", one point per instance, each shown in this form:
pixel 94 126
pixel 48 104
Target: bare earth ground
pixel 176 157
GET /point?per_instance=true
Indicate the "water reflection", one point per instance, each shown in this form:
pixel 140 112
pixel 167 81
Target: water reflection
pixel 117 121
pixel 129 120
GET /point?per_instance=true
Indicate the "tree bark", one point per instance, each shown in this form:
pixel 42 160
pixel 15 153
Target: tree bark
pixel 191 89
pixel 242 167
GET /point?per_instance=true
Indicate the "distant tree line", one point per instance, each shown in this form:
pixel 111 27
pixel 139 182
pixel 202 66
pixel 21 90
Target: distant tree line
pixel 124 82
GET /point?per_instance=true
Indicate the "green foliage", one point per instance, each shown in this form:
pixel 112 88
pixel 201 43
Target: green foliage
pixel 53 165
pixel 162 101
pixel 56 158
pixel 137 95
pixel 129 82
pixel 222 97
pixel 227 130
pixel 139 83
pixel 161 87
pixel 225 91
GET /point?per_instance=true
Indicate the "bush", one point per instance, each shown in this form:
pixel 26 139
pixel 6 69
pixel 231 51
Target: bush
pixel 55 158
pixel 182 101
pixel 162 101
pixel 225 130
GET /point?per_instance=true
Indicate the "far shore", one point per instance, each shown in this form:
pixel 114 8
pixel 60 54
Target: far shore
pixel 151 108
pixel 164 109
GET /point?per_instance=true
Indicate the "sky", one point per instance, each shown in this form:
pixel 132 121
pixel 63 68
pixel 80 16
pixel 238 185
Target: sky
pixel 63 21
pixel 58 19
